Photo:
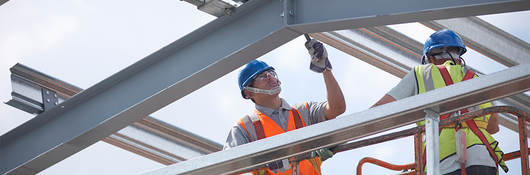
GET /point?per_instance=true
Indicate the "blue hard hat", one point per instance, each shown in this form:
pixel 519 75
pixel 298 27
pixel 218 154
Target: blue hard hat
pixel 442 38
pixel 251 70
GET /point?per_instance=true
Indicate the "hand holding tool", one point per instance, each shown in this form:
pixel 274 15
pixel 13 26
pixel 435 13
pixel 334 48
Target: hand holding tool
pixel 319 55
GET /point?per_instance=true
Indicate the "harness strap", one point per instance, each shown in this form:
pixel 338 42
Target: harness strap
pixel 445 75
pixel 448 81
pixel 297 119
pixel 259 127
pixel 473 126
pixel 463 169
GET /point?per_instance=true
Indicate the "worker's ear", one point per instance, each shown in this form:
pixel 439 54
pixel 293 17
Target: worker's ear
pixel 431 59
pixel 248 94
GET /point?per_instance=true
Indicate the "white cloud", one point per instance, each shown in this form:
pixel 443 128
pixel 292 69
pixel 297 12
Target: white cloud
pixel 414 30
pixel 54 29
pixel 30 29
pixel 290 58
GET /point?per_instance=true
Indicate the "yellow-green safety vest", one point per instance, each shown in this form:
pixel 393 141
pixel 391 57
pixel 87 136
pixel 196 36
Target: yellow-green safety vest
pixel 428 77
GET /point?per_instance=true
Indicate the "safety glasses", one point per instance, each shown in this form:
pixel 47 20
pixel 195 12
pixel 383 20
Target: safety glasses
pixel 265 75
pixel 445 53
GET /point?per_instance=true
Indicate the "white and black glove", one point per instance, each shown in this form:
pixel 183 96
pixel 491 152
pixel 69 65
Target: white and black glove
pixel 323 153
pixel 279 166
pixel 319 56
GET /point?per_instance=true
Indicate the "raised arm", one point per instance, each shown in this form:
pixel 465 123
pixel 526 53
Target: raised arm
pixel 336 103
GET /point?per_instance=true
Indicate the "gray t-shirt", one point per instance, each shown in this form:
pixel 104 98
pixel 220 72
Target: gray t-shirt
pixel 315 114
pixel 406 87
pixel 476 154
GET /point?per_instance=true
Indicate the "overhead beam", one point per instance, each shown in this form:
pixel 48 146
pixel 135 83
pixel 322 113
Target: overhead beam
pixel 344 14
pixel 149 137
pixel 201 57
pixel 3 1
pixel 358 125
pixel 487 39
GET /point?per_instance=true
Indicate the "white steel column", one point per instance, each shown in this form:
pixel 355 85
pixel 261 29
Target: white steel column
pixel 432 146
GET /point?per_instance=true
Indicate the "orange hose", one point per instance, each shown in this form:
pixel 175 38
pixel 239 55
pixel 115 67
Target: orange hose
pixel 382 164
pixel 512 155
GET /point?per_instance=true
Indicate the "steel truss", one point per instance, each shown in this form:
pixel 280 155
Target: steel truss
pixel 252 30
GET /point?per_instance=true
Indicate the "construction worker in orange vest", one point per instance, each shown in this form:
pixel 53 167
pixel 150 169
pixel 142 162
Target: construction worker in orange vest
pixel 467 145
pixel 273 115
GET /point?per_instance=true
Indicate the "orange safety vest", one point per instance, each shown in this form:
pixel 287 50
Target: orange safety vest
pixel 266 127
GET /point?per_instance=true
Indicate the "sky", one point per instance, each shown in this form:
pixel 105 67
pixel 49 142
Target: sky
pixel 83 42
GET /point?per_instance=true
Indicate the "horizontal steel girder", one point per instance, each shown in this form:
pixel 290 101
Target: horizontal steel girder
pixel 200 57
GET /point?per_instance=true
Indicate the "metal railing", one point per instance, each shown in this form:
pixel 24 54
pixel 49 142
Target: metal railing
pixel 418 168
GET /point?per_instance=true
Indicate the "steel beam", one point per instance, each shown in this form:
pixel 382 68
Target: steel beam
pixel 199 58
pixel 487 39
pixel 358 125
pixel 149 137
pixel 313 16
pixel 396 54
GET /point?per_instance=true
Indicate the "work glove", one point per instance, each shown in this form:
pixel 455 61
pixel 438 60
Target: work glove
pixel 279 166
pixel 323 153
pixel 319 56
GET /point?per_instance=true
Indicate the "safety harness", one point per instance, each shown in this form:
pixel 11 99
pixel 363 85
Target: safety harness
pixel 470 123
pixel 260 134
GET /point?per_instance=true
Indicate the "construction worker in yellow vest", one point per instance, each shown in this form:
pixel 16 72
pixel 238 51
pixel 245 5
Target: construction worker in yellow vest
pixel 273 115
pixel 479 152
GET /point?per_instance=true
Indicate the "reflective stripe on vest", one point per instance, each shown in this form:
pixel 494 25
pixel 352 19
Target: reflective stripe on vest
pixel 429 77
pixel 271 128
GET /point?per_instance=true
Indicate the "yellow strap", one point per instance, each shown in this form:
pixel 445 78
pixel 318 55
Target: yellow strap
pixel 315 165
